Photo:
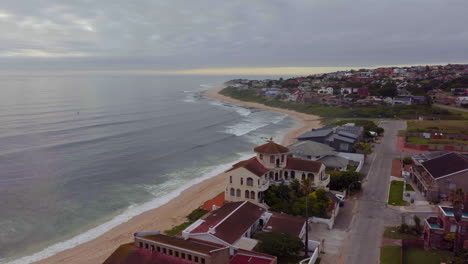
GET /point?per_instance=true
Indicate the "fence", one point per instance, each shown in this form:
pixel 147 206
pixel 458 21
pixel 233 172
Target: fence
pixel 329 222
pixel 312 259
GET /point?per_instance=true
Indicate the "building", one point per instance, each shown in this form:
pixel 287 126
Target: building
pixel 312 150
pixel 342 138
pixel 153 247
pixel 402 101
pixel 435 228
pixel 248 179
pixel 328 90
pixel 438 174
pixel 231 225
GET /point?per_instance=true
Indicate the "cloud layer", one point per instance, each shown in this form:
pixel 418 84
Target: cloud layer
pixel 172 35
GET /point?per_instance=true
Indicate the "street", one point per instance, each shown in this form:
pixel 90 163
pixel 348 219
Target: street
pixel 371 213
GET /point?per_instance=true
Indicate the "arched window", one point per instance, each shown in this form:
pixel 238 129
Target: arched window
pixel 230 179
pixel 252 195
pixel 247 194
pixel 242 181
pixel 272 159
pixel 286 175
pixel 310 176
pixel 271 175
pixel 261 156
pixel 232 192
pixel 293 174
pixel 238 193
pixel 282 158
pixel 249 181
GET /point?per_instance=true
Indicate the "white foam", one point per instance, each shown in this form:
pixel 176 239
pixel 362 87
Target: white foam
pixel 242 111
pixel 131 212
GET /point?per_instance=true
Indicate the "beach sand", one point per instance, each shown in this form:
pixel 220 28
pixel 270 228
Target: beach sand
pixel 173 212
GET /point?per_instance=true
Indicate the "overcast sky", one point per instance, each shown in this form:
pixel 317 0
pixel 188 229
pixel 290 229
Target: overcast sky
pixel 197 34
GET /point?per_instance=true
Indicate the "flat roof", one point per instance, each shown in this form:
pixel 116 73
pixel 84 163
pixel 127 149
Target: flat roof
pixel 181 243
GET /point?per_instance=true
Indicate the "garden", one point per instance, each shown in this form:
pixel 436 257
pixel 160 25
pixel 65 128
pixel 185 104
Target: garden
pixel 395 195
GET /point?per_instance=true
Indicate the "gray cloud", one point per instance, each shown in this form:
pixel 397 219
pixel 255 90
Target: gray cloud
pixel 145 34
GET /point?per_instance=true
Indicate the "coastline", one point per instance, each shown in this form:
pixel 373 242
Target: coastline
pixel 174 211
pixel 307 121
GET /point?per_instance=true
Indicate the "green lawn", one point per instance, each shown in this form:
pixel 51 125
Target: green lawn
pixel 390 255
pixel 395 196
pixel 393 232
pixel 416 255
pixel 420 140
pixel 455 112
pixel 409 188
pixel 438 126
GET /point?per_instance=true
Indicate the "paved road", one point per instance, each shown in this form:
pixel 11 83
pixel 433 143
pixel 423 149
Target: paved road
pixel 451 108
pixel 371 213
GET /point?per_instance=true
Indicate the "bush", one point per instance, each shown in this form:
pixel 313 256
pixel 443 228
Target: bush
pixel 404 228
pixel 407 160
pixel 278 244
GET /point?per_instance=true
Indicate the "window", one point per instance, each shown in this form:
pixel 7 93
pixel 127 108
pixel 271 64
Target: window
pixel 252 195
pixel 182 255
pixel 152 247
pixel 176 253
pixel 247 194
pixel 230 179
pixel 303 176
pixel 309 157
pixel 242 181
pixel 261 156
pixel 189 257
pixel 232 192
pixel 310 176
pixel 258 182
pixel 158 249
pixel 238 193
pixel 170 252
pixel 202 261
pixel 249 181
pixel 146 246
pixel 164 251
pixel 286 175
pixel 272 159
pixel 271 175
pixel 141 244
pixel 282 158
pixel 196 259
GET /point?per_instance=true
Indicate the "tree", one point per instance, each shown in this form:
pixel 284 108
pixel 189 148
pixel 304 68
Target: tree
pixel 306 186
pixel 278 244
pixel 417 224
pixel 457 197
pixel 365 148
pixel 407 160
pixel 340 180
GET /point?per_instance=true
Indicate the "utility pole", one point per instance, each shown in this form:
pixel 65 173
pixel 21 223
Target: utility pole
pixel 306 244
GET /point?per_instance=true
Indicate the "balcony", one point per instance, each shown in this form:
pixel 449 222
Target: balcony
pixel 433 223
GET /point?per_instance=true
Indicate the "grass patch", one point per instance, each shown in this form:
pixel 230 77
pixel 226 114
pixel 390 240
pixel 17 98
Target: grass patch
pixel 409 188
pixel 192 217
pixel 438 126
pixel 395 196
pixel 462 114
pixel 393 232
pixel 416 255
pixel 390 255
pixel 420 140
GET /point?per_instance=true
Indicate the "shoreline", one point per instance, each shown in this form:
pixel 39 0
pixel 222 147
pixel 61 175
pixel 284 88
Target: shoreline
pixel 175 210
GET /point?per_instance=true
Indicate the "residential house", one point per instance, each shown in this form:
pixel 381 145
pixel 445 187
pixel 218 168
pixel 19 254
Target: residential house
pixel 341 138
pixel 437 176
pixel 461 100
pixel 312 150
pixel 402 101
pixel 323 90
pixel 153 247
pixel 249 179
pixel 436 228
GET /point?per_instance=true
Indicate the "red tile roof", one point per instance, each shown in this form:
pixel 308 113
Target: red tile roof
pixel 250 259
pixel 252 165
pixel 271 148
pixel 283 223
pixel 231 221
pixel 303 165
pixel 181 243
pixel 217 201
pixel 127 254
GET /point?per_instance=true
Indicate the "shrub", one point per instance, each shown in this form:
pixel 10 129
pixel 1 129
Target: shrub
pixel 278 244
pixel 404 228
pixel 407 160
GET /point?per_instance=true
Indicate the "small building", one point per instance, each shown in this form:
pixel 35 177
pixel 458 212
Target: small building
pixel 437 177
pixel 342 138
pixel 402 101
pixel 436 228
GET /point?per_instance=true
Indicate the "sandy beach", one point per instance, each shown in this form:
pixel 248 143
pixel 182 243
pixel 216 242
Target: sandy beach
pixel 173 212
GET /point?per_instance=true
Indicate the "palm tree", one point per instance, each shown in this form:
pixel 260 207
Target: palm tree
pixel 457 198
pixel 306 186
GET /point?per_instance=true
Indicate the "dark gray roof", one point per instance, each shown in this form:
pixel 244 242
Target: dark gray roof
pixel 348 134
pixel 351 129
pixel 334 161
pixel 338 137
pixel 311 148
pixel 428 156
pixel 446 164
pixel 321 132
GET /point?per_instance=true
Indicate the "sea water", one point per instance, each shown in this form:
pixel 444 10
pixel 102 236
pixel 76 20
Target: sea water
pixel 81 154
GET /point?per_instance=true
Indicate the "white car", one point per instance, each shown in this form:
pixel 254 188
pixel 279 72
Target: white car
pixel 340 196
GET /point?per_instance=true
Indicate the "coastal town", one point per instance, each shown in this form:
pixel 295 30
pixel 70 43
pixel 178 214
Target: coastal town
pixel 355 190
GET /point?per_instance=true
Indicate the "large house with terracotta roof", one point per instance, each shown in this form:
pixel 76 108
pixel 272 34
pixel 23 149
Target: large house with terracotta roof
pixel 249 179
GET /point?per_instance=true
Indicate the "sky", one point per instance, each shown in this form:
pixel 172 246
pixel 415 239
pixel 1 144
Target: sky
pixel 200 36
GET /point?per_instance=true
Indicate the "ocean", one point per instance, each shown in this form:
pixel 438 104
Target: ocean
pixel 81 154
